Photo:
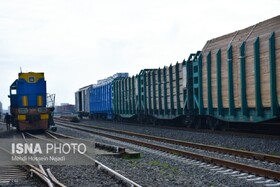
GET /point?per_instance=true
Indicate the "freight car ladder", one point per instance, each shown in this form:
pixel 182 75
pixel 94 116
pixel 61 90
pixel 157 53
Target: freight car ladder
pixel 142 105
pixel 197 83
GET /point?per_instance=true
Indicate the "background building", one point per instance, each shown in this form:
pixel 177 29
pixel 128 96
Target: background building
pixel 65 108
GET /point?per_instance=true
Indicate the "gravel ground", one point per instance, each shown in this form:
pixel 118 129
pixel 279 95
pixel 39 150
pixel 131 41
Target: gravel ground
pixel 68 175
pixel 236 142
pixel 82 176
pixel 154 168
pixel 157 169
pixel 9 134
pixel 29 182
pixel 246 161
pixel 4 133
pixel 2 127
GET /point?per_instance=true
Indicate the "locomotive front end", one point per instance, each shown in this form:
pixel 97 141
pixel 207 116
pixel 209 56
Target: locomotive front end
pixel 28 102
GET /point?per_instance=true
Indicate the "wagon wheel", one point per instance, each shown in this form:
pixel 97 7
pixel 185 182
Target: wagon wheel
pixel 211 123
pixel 155 121
pixel 140 119
pixel 188 122
pixel 115 119
pixel 223 126
pixel 198 123
pixel 118 119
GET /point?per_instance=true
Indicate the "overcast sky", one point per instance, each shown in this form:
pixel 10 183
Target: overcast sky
pixel 77 42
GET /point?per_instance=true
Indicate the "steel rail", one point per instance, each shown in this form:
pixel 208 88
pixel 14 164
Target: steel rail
pixel 122 178
pixel 32 168
pixel 43 172
pixel 207 159
pixel 241 153
pixel 127 181
pixel 99 165
pixel 53 179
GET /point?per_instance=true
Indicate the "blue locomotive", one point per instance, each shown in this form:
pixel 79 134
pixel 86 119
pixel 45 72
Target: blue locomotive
pixel 28 103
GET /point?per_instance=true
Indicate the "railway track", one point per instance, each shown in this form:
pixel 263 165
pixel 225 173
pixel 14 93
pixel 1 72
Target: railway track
pixel 236 168
pixel 230 131
pixel 45 175
pixel 11 174
pixel 241 153
pixel 125 181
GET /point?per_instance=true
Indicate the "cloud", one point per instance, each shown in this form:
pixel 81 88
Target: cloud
pixel 78 42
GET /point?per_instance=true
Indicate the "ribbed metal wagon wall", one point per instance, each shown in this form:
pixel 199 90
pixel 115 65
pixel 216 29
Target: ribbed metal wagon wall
pixel 152 94
pixel 237 76
pixel 101 97
pixel 101 100
pixel 124 97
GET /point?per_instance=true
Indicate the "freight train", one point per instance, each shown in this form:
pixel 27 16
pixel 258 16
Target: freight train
pixel 234 78
pixel 29 106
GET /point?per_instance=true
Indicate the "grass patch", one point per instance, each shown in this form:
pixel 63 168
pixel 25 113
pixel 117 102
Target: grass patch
pixel 163 166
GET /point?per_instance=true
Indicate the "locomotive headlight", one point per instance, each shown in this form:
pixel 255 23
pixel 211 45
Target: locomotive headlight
pixel 42 109
pixel 44 116
pixel 21 117
pixel 23 110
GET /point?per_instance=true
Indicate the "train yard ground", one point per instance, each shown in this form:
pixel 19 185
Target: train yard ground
pixel 2 127
pixel 154 167
pixel 161 168
pixel 93 173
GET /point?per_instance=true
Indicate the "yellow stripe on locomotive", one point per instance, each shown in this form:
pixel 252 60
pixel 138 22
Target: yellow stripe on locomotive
pixel 24 100
pixel 40 100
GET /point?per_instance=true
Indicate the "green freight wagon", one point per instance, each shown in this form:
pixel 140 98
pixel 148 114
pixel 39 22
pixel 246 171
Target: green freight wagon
pixel 151 96
pixel 236 77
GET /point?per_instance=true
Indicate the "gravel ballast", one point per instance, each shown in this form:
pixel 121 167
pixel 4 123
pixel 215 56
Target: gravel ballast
pixel 156 169
pixel 261 145
pixel 83 176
